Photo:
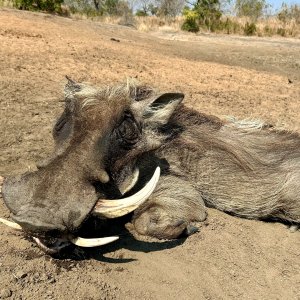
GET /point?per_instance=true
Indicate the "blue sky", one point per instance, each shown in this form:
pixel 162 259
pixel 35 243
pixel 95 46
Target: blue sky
pixel 276 4
pixel 228 5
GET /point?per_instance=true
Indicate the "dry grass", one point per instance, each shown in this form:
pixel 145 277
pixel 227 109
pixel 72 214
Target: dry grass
pixel 271 26
pixel 6 3
pixel 264 27
pixel 145 24
pixel 229 25
pixel 153 23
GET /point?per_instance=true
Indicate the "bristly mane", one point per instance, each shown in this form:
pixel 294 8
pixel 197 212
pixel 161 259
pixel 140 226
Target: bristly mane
pixel 130 90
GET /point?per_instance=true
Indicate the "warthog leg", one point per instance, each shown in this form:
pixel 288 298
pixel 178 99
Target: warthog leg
pixel 170 211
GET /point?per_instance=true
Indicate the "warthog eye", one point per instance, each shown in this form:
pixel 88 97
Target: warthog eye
pixel 128 132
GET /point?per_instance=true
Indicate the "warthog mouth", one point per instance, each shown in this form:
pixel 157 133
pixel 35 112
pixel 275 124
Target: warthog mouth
pixel 104 209
pixel 52 245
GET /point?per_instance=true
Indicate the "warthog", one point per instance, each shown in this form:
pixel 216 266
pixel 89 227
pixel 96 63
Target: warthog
pixel 110 141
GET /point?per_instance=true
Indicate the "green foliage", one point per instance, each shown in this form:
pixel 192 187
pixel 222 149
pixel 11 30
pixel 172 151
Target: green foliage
pixel 209 13
pixel 53 6
pixel 84 7
pixel 250 8
pixel 190 21
pixel 110 7
pixel 250 29
pixel 229 26
pixel 94 8
pixel 205 13
pixel 141 13
pixel 153 9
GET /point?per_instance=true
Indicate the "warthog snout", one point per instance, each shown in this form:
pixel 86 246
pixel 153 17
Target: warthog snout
pixel 49 199
pixel 60 194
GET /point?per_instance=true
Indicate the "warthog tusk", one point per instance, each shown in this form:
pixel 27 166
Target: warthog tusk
pixel 54 249
pixel 78 241
pixel 129 184
pixel 11 224
pixel 81 242
pixel 120 207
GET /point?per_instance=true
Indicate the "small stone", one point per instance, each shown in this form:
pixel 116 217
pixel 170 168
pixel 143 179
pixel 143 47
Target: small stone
pixel 294 228
pixel 115 40
pixel 20 274
pixel 5 293
pixel 52 280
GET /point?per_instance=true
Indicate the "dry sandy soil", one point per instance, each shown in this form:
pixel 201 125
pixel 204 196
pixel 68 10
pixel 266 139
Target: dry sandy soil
pixel 230 258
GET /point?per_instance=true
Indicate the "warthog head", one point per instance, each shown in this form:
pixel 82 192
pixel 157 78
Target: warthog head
pixel 97 128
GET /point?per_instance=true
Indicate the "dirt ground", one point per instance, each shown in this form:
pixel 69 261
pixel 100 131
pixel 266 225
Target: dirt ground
pixel 230 258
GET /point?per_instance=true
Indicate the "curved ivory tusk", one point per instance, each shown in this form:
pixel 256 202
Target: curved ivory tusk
pixel 117 208
pixel 11 224
pixel 48 250
pixel 129 184
pixel 76 241
pixel 93 242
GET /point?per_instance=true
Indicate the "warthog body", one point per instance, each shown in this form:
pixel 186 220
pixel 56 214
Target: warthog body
pixel 247 169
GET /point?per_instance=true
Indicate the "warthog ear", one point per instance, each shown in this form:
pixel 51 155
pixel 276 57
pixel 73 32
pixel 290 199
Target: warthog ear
pixel 160 110
pixel 71 87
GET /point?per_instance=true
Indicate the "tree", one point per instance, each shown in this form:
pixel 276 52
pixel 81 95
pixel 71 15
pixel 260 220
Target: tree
pixel 99 7
pixel 206 13
pixel 209 12
pixel 170 7
pixel 97 4
pixel 190 20
pixel 86 6
pixel 250 8
pixel 147 8
pixel 43 5
pixel 288 13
